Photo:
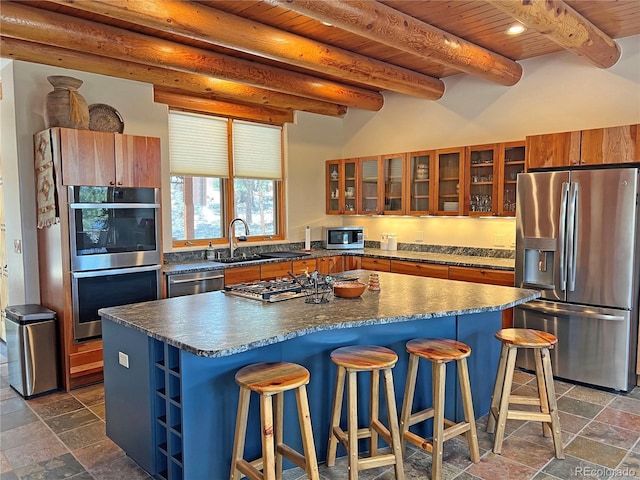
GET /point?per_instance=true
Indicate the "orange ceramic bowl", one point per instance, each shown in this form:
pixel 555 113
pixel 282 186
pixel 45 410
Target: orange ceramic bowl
pixel 348 289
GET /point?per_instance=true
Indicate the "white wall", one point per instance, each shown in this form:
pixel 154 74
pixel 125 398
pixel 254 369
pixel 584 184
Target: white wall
pixel 557 92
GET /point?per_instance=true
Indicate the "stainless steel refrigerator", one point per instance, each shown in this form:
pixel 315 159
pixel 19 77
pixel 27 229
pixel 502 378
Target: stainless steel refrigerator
pixel 577 242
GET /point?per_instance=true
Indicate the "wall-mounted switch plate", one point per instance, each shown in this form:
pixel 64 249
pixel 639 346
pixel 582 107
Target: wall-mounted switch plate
pixel 17 246
pixel 499 240
pixel 419 236
pixel 123 359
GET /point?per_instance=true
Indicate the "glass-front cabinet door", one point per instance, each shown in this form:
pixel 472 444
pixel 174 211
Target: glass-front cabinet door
pixel 333 181
pixel 349 191
pixel 393 167
pixel 370 200
pixel 449 187
pixel 419 184
pixel 482 178
pixel 513 155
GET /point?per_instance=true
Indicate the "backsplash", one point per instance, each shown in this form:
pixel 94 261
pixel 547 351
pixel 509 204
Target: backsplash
pixel 198 255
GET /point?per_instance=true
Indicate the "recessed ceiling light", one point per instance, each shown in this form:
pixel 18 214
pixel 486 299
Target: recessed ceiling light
pixel 515 29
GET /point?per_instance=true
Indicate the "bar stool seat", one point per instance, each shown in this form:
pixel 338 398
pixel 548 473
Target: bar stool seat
pixel 350 361
pixel 439 352
pixel 541 343
pixel 270 380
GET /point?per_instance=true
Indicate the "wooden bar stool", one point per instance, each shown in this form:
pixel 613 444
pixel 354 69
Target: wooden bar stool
pixel 350 361
pixel 541 343
pixel 272 380
pixel 439 352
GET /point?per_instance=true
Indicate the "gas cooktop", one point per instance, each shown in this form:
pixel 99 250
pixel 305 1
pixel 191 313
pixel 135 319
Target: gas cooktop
pixel 278 290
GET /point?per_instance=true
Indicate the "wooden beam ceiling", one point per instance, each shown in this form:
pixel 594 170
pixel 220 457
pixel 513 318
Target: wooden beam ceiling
pixel 219 28
pixel 50 28
pixel 562 24
pixel 377 21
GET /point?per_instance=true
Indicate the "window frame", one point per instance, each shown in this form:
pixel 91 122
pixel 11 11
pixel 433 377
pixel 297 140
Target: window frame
pixel 228 199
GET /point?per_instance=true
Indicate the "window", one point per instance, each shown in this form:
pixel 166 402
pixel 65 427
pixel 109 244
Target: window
pixel 222 169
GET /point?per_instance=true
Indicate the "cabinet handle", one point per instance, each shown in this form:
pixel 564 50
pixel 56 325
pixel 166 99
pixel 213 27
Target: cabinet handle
pixel 119 183
pixel 112 183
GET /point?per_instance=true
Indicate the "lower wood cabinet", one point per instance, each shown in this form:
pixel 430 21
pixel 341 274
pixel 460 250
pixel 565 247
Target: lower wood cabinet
pixel 329 265
pixel 270 271
pixel 351 262
pixel 379 264
pixel 307 264
pixel 487 275
pixel 235 275
pixel 420 269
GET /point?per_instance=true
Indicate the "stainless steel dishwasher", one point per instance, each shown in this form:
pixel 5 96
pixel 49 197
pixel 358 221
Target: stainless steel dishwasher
pixel 179 284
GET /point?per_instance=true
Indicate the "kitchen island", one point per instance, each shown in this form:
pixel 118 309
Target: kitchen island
pixel 169 365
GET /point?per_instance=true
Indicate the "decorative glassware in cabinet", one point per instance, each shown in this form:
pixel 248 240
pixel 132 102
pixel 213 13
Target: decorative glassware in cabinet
pixel 449 163
pixel 514 162
pixel 350 187
pixel 370 186
pixel 393 184
pixel 333 182
pixel 483 161
pixel 420 183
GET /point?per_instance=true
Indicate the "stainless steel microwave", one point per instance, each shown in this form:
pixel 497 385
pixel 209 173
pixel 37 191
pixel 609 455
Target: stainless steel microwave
pixel 344 237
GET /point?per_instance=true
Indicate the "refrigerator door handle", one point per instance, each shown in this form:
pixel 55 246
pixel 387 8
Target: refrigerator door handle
pixel 572 229
pixel 540 307
pixel 562 235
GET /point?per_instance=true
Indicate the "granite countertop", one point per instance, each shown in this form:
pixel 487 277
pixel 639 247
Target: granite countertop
pixel 217 324
pixel 495 263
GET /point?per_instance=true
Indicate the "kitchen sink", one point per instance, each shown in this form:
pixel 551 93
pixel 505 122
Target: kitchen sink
pixel 284 254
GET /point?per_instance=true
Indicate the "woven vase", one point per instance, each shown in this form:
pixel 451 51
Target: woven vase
pixel 64 106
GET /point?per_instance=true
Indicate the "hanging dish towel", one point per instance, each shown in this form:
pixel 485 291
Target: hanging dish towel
pixel 47 197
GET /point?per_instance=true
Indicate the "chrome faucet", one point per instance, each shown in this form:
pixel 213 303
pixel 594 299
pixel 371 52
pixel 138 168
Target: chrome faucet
pixel 246 232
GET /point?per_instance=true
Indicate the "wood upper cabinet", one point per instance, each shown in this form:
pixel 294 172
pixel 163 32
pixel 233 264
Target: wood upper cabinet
pixel 588 147
pixel 419 183
pixel 553 150
pixel 104 159
pixel 393 167
pixel 610 145
pixel 482 175
pixel 370 186
pixel 511 162
pixel 449 187
pixel 341 186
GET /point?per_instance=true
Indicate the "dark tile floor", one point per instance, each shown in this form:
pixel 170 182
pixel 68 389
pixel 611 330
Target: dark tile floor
pixel 62 436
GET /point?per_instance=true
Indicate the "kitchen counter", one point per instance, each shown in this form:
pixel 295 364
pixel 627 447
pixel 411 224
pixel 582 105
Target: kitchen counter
pixel 169 365
pixel 494 263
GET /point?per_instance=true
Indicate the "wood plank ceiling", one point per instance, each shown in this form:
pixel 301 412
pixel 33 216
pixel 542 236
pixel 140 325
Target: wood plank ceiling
pixel 263 60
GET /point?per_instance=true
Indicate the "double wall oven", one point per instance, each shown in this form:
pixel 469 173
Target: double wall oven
pixel 115 251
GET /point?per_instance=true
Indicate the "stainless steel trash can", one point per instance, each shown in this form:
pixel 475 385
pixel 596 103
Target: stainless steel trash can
pixel 32 349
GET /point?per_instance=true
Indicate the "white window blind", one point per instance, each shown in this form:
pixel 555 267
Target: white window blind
pixel 198 145
pixel 257 151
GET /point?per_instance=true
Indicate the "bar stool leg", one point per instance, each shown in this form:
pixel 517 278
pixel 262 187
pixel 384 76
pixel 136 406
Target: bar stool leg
pixel 375 410
pixel 553 406
pixel 278 408
pixel 335 417
pixel 497 390
pixel 542 391
pixel 352 397
pixel 241 431
pixel 268 453
pixel 392 411
pixel 504 399
pixel 469 416
pixel 304 418
pixel 438 370
pixel 407 402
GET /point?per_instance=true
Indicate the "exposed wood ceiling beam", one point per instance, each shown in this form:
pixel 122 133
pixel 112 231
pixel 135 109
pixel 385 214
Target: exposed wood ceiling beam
pixel 562 24
pixel 274 116
pixel 201 85
pixel 224 29
pixel 31 24
pixel 383 24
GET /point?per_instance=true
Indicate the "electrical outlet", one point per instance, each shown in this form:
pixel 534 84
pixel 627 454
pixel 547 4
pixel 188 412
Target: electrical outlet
pixel 498 240
pixel 419 236
pixel 123 359
pixel 17 246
